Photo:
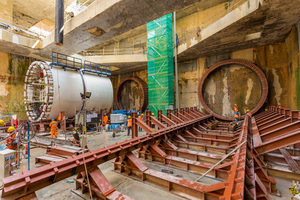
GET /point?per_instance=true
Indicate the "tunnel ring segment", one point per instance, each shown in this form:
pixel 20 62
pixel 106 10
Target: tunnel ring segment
pixel 142 85
pixel 244 63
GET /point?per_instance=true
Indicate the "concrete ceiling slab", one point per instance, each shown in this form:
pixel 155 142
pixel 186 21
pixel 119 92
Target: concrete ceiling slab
pixel 273 21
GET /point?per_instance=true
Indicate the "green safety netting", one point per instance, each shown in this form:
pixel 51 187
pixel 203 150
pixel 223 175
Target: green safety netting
pixel 160 64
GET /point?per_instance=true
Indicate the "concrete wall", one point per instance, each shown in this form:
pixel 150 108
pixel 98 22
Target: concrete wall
pixel 124 46
pixel 280 62
pixel 12 75
pixel 236 84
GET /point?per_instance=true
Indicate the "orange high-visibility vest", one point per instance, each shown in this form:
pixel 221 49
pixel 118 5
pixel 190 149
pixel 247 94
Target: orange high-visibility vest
pixel 141 118
pixel 236 109
pixel 53 125
pixel 236 116
pixel 249 114
pixel 105 118
pixel 9 141
pixel 129 122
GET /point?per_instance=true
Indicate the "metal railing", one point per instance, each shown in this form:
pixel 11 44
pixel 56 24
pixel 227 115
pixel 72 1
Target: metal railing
pixel 74 63
pixel 115 51
pixel 195 30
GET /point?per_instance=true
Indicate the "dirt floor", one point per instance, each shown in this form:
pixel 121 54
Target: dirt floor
pixel 129 186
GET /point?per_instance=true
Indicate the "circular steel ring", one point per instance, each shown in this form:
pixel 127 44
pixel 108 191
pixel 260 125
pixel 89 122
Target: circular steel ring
pixel 250 65
pixel 143 86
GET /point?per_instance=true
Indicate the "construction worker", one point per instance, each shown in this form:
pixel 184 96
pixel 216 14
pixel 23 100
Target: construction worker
pixel 129 125
pixel 105 119
pixel 12 141
pixel 152 124
pixel 249 113
pixel 236 113
pixel 141 117
pixel 235 108
pixel 53 125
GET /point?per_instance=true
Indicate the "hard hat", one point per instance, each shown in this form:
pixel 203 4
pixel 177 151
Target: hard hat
pixel 142 114
pixel 1 122
pixel 104 113
pixel 10 129
pixel 129 117
pixel 152 113
pixel 53 119
pixel 248 110
pixel 235 104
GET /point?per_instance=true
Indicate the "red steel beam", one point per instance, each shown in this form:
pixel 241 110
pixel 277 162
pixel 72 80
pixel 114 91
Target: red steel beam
pixel 35 179
pixel 179 186
pixel 235 182
pixel 290 161
pixel 278 142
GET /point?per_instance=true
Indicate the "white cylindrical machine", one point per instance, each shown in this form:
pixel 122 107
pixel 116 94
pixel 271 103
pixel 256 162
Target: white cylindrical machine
pixel 50 91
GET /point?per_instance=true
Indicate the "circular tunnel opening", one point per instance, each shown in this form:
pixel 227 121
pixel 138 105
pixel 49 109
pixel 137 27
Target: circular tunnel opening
pixel 229 85
pixel 232 82
pixel 132 93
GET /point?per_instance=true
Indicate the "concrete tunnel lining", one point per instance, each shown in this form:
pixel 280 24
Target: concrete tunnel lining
pixel 244 63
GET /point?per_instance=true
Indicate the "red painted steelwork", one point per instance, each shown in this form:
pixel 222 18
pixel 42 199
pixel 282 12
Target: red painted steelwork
pixel 30 181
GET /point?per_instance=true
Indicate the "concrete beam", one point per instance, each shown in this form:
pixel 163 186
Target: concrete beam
pixel 254 23
pixel 117 59
pixel 103 20
pixel 224 22
pixel 18 44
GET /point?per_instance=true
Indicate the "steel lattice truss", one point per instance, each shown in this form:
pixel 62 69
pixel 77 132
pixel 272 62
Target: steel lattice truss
pixel 184 135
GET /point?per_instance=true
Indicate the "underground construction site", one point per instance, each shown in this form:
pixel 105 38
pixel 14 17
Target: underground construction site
pixel 144 99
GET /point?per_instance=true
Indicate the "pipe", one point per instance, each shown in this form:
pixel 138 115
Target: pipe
pixel 236 148
pixel 59 22
pixel 28 145
pixel 176 67
pixel 83 109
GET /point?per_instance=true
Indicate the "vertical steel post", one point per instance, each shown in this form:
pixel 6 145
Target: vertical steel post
pixel 148 119
pixel 176 67
pixel 159 117
pixel 28 146
pixel 187 110
pixel 182 111
pixel 59 22
pixel 134 125
pixel 169 113
pixel 176 112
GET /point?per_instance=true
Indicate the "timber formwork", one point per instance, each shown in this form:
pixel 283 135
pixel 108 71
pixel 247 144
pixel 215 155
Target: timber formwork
pixel 185 137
